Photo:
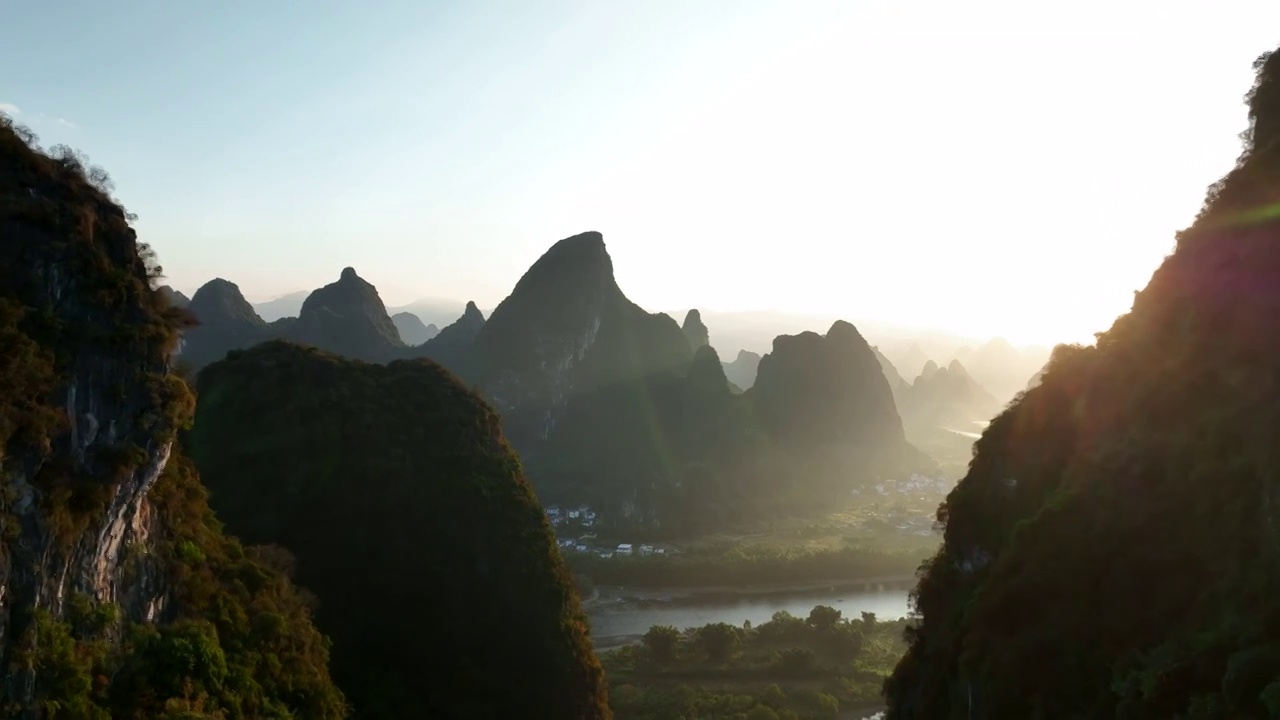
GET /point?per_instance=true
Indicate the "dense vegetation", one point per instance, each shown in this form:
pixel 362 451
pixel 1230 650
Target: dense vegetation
pixel 435 566
pixel 205 628
pixel 1113 550
pixel 789 668
pixel 238 644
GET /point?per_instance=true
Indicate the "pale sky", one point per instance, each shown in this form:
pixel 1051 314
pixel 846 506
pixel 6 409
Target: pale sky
pixel 1013 168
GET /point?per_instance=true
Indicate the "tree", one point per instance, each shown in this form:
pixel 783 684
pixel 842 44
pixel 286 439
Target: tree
pixel 846 641
pixel 718 640
pixel 868 619
pixel 797 662
pixel 823 617
pixel 663 642
pixel 762 712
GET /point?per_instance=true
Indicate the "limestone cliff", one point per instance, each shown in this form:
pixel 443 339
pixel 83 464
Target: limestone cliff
pixel 95 511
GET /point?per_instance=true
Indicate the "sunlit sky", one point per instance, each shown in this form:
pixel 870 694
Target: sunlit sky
pixel 990 168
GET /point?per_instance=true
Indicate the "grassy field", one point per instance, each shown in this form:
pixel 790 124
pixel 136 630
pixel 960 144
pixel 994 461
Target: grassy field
pixel 819 668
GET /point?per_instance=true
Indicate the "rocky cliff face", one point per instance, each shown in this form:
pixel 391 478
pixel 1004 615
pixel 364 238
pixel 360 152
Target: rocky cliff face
pixel 1112 551
pixel 88 418
pixel 347 317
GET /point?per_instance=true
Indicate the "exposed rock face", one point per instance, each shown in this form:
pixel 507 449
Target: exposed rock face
pixel 742 371
pixel 226 322
pixel 695 331
pixel 465 608
pixel 567 328
pixel 411 329
pixel 947 397
pixel 101 405
pixel 347 317
pixel 1147 461
pixel 88 419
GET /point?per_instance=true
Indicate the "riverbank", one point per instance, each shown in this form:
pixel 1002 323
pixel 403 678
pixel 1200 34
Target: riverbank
pixel 609 594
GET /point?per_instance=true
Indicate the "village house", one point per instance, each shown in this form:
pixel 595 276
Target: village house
pixel 624 549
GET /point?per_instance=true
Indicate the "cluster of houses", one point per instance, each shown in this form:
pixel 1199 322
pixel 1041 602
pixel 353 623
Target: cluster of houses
pixel 582 515
pixel 917 485
pixel 585 544
pixel 566 520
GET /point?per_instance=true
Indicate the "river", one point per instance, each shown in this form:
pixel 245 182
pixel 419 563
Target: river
pixel 616 621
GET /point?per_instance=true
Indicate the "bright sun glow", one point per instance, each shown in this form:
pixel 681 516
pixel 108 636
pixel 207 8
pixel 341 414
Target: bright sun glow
pixel 994 167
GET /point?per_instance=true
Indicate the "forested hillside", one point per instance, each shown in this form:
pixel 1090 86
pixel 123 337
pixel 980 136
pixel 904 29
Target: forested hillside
pixel 411 520
pixel 1114 549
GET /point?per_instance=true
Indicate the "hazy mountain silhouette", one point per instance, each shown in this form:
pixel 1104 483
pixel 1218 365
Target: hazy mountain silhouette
pixel 226 322
pixel 289 305
pixel 695 331
pixel 348 318
pixel 411 329
pixel 742 371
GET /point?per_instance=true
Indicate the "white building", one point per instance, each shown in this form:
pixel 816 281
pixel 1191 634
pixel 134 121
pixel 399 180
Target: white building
pixel 624 549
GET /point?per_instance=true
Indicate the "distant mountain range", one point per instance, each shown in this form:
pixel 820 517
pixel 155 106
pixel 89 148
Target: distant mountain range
pixel 606 401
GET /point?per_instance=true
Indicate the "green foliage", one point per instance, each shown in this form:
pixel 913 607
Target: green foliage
pixel 241 645
pixel 718 641
pixel 824 617
pixel 785 668
pixel 663 642
pixel 65 234
pixel 399 476
pixel 1111 551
